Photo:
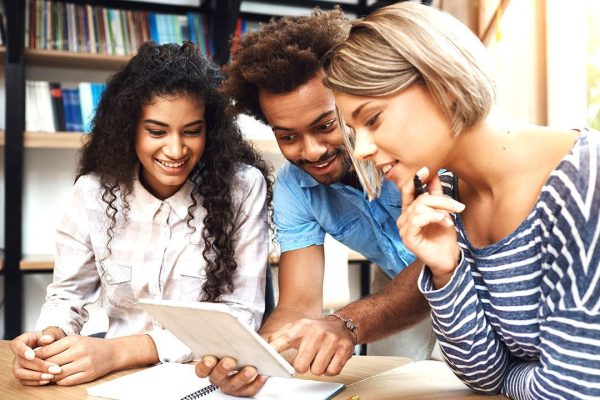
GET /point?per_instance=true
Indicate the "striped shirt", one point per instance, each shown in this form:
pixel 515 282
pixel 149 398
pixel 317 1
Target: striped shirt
pixel 153 255
pixel 521 316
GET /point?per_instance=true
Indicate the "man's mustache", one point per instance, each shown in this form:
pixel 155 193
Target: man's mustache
pixel 326 156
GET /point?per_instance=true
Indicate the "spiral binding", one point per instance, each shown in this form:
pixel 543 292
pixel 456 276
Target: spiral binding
pixel 200 393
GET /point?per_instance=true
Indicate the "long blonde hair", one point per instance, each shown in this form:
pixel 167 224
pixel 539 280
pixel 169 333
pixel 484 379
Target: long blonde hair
pixel 404 43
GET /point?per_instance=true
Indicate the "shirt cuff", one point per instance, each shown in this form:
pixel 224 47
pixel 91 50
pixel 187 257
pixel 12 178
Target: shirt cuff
pixel 169 348
pixel 49 318
pixel 442 295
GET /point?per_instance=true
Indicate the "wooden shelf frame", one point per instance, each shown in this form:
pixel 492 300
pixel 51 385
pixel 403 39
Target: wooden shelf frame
pixel 74 140
pixel 69 59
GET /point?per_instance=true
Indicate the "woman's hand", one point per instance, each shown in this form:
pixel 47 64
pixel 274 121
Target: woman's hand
pixel 427 229
pixel 81 358
pixel 28 367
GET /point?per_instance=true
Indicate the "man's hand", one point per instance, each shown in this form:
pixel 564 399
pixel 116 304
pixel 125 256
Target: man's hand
pixel 28 367
pixel 324 345
pixel 246 382
pixel 81 358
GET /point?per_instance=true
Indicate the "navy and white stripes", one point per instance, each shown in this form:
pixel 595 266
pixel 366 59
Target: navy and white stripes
pixel 522 316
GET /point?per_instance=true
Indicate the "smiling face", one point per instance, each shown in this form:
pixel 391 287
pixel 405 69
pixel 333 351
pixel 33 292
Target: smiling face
pixel 400 133
pixel 170 140
pixel 307 131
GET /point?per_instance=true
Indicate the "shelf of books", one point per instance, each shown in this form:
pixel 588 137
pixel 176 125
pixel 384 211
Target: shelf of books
pixel 97 30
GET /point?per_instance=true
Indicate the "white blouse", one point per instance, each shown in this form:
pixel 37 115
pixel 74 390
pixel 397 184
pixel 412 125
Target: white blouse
pixel 154 255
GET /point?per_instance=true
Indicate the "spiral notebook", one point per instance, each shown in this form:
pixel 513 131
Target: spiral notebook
pixel 172 381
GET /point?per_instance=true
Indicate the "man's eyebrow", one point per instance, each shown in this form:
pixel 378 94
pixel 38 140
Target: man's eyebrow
pixel 314 122
pixel 281 128
pixel 320 117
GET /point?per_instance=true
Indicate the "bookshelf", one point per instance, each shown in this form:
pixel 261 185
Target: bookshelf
pixel 221 16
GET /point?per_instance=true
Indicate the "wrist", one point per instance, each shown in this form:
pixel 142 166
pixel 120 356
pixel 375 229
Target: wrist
pixel 441 275
pixel 348 325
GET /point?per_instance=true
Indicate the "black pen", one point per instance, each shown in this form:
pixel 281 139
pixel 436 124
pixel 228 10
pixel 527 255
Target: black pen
pixel 420 187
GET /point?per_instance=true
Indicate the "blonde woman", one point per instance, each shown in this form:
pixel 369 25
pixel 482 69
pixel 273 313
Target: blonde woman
pixel 510 236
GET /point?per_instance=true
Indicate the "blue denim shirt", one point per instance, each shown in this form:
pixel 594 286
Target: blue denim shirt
pixel 305 210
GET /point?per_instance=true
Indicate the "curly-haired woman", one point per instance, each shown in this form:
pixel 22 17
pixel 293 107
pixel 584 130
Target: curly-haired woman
pixel 169 202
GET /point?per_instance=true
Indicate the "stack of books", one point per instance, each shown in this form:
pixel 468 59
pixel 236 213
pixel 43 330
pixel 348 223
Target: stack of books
pixel 52 108
pixel 55 25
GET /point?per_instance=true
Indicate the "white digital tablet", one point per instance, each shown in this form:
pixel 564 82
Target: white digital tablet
pixel 211 329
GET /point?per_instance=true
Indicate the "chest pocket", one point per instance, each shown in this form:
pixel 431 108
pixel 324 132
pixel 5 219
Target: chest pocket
pixel 116 283
pixel 191 275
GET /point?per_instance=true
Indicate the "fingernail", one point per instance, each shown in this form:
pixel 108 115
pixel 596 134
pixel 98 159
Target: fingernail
pixel 449 221
pixel 54 369
pixel 422 172
pixel 47 338
pixel 209 362
pixel 44 382
pixel 29 354
pixel 228 364
pixel 263 378
pixel 249 374
pixel 460 206
pixel 46 376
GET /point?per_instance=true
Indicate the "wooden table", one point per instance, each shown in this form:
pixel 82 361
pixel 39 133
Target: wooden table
pixel 371 377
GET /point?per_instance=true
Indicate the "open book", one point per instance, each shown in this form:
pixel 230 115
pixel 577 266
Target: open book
pixel 171 381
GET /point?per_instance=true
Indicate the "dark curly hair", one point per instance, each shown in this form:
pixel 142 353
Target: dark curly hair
pixel 165 70
pixel 283 55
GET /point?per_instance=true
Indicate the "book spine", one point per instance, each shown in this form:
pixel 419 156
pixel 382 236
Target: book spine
pixel 77 111
pixel 86 103
pixel 58 109
pixel 68 109
pixel 44 99
pixel 110 49
pixel 49 26
pixel 125 32
pixel 153 26
pixel 91 24
pixel 27 22
pixel 131 31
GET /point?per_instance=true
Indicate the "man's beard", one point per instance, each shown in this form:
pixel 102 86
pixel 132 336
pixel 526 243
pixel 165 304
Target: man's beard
pixel 342 175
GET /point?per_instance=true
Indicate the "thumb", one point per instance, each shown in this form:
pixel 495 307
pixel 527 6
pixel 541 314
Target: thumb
pixel 51 334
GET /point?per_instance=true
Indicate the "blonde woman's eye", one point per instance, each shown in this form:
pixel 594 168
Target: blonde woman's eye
pixel 373 120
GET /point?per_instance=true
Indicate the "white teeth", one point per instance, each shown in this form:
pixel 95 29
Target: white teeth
pixel 171 164
pixel 322 165
pixel 386 168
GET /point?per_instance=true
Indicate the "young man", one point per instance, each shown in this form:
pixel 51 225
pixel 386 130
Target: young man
pixel 276 77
